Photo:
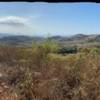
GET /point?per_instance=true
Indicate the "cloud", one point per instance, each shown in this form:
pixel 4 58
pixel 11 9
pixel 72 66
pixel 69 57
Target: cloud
pixel 16 25
pixel 14 21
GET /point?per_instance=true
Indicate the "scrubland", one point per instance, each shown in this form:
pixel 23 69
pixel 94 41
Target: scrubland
pixel 41 73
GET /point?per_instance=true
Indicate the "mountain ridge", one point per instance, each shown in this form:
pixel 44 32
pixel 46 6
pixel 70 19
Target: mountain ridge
pixel 25 39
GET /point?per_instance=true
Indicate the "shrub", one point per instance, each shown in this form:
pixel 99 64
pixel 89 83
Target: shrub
pixel 67 50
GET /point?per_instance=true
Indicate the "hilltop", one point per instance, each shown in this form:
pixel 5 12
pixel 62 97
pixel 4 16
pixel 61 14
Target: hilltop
pixel 7 39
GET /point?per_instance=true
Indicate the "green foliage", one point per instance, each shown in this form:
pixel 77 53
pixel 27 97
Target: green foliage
pixel 85 50
pixel 68 50
pixel 95 51
pixel 50 46
pixel 44 49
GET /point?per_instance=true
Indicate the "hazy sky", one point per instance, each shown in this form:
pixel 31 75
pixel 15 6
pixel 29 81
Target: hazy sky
pixel 49 18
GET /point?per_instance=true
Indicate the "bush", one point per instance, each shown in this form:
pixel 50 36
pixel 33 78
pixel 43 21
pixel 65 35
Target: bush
pixel 67 50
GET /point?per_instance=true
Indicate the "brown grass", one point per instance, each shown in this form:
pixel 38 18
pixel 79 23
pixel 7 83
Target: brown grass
pixel 37 75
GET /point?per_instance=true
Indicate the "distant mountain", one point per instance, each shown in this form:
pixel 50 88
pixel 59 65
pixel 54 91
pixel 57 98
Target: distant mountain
pixel 4 34
pixel 95 38
pixel 28 40
pixel 58 38
pixel 14 39
pixel 76 37
pixel 19 39
pixel 79 37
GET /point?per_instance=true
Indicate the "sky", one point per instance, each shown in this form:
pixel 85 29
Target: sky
pixel 39 18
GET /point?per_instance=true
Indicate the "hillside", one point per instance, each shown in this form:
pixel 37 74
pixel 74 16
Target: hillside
pixel 19 40
pixel 63 40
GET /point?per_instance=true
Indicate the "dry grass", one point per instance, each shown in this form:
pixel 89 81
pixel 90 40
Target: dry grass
pixel 39 74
